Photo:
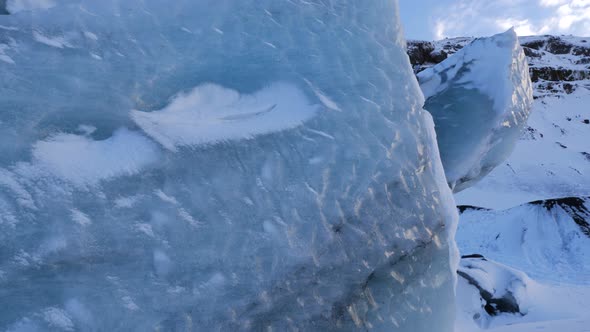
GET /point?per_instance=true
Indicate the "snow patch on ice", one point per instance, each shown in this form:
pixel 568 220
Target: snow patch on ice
pixel 80 217
pixel 168 199
pixel 129 303
pixel 81 160
pixel 90 35
pixel 24 198
pixel 58 318
pixel 86 129
pixel 55 41
pixel 127 201
pixel 3 56
pixel 211 113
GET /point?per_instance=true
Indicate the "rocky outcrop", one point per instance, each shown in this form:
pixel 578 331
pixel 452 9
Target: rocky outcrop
pixel 423 54
pixel 496 296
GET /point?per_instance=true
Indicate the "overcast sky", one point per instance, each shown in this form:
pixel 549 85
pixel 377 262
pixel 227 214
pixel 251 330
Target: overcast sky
pixel 437 19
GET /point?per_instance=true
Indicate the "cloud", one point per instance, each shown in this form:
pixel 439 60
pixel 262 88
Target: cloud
pixel 528 17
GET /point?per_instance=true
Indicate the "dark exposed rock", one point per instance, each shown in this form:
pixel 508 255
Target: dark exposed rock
pixel 557 46
pixel 586 121
pixel 452 48
pixel 535 45
pixel 474 256
pixel 582 61
pixel 568 88
pixel 494 305
pixel 437 57
pixel 463 208
pixel 419 52
pixel 587 155
pixel 532 53
pixel 531 134
pixel 558 74
pixel 579 50
pixel 423 55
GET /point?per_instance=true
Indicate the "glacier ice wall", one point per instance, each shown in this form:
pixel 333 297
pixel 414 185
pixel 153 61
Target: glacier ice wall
pixel 216 165
pixel 480 99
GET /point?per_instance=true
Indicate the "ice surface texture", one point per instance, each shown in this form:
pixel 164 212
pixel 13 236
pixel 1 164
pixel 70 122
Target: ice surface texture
pixel 218 165
pixel 480 99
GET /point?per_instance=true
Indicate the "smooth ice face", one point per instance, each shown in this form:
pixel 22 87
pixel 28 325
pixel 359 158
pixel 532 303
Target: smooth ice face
pixel 218 165
pixel 480 99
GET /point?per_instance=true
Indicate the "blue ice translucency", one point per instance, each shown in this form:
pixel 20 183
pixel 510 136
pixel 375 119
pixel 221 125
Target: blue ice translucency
pixel 480 99
pixel 218 165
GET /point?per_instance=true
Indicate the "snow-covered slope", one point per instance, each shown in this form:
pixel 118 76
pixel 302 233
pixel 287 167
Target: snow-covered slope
pixel 528 266
pixel 549 240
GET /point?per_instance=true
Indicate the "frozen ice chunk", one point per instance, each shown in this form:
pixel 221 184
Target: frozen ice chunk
pixel 480 99
pixel 278 171
pixel 81 160
pixel 211 113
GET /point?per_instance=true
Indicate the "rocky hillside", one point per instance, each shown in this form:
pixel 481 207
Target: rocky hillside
pixel 559 64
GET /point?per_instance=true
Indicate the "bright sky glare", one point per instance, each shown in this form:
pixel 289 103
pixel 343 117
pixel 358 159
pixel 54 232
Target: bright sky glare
pixel 437 19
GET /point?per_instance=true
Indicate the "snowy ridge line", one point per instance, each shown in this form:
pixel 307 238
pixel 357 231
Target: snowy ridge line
pixel 576 207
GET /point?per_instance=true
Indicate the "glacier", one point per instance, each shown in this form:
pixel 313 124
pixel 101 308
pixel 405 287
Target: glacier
pixel 480 99
pixel 218 165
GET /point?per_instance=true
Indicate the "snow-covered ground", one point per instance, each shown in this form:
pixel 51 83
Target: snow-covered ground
pixel 538 253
